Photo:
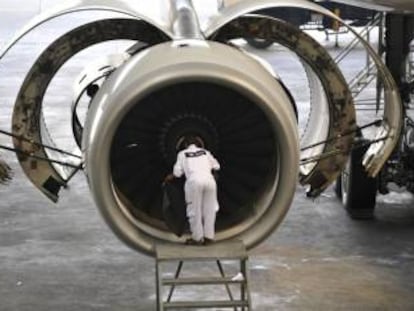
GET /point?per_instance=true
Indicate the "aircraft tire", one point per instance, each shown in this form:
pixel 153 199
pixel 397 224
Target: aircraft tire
pixel 338 187
pixel 357 190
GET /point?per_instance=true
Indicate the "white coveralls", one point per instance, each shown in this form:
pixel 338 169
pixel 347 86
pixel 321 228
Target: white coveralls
pixel 200 189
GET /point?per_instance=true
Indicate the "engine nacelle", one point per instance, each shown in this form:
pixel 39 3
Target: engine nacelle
pixel 238 109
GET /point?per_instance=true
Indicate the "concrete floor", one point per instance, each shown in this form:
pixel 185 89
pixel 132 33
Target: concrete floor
pixel 64 257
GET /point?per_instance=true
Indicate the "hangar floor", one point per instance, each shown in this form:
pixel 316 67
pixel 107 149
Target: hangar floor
pixel 64 257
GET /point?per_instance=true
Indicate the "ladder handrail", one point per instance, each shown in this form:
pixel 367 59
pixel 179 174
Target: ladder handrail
pixel 375 22
pixel 358 86
pixel 366 72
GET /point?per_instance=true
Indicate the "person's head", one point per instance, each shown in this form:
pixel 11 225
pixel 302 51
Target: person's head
pixel 192 140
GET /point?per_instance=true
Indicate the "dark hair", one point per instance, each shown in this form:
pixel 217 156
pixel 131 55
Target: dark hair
pixel 192 140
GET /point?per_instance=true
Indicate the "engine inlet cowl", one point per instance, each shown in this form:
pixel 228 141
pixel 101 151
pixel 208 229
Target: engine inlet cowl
pixel 238 110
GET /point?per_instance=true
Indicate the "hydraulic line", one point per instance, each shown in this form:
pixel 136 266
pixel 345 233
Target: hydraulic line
pixel 18 137
pixel 358 129
pixel 27 154
pixel 337 152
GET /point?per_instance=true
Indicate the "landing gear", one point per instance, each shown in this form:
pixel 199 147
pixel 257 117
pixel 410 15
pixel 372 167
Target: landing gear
pixel 356 189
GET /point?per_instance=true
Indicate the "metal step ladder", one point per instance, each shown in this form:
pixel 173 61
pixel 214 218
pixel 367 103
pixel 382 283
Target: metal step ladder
pixel 232 251
pixel 369 73
pixel 363 79
pixel 377 21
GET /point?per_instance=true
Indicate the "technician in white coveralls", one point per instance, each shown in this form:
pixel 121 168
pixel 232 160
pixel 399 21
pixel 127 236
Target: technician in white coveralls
pixel 197 164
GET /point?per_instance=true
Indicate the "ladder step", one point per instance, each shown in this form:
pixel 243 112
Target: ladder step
pixel 233 250
pixel 200 281
pixel 205 304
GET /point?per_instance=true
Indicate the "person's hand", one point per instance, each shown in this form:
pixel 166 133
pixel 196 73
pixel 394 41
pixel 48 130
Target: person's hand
pixel 215 175
pixel 168 178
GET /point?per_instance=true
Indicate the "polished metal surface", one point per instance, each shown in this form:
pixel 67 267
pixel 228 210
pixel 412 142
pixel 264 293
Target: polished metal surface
pixel 185 23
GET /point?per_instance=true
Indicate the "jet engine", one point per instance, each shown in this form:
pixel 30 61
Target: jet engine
pixel 186 79
pixel 228 100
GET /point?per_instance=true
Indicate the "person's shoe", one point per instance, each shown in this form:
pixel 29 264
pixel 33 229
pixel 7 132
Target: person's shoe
pixel 194 242
pixel 208 241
